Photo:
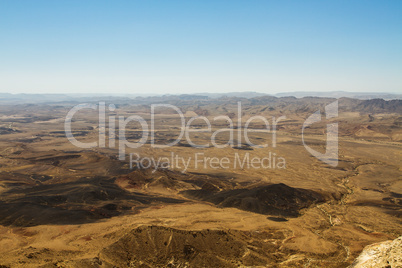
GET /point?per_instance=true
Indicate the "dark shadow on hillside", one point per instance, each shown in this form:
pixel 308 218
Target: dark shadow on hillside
pixel 78 202
pixel 275 199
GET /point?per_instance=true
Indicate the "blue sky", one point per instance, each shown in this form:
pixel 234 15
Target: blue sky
pixel 155 47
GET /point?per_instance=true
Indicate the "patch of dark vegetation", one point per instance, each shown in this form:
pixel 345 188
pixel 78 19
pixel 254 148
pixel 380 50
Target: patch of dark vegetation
pixel 396 195
pixel 110 207
pixel 28 119
pixel 278 219
pixel 397 201
pixel 275 199
pixel 243 146
pixel 181 144
pixel 390 206
pixel 8 130
pixel 29 140
pixel 62 134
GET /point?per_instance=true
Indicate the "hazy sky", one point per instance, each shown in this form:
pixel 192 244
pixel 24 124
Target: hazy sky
pixel 200 46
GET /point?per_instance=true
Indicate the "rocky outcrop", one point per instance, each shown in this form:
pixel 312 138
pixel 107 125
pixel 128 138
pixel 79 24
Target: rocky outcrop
pixel 387 254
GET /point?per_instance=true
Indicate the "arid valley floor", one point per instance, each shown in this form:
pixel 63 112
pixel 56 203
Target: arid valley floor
pixel 64 206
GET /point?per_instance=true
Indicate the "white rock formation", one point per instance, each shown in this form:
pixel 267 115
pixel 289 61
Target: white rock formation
pixel 386 254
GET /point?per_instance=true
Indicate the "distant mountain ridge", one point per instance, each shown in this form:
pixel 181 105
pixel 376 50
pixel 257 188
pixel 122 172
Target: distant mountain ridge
pixel 215 105
pixel 341 94
pixel 41 98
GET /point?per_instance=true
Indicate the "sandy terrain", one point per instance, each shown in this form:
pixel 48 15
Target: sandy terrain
pixel 63 206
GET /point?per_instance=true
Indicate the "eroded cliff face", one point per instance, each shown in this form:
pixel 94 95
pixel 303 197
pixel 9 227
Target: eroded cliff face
pixel 385 254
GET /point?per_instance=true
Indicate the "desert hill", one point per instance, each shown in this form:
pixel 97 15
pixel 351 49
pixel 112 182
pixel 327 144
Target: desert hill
pixel 275 199
pixel 65 206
